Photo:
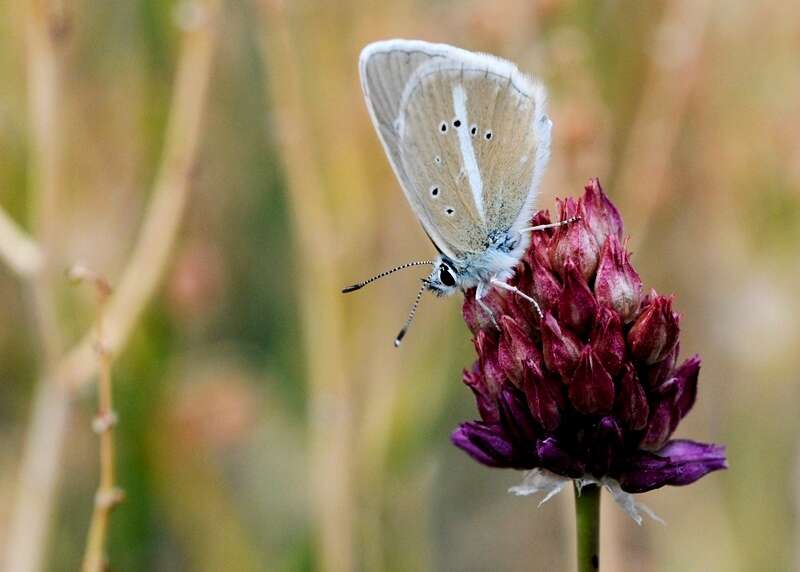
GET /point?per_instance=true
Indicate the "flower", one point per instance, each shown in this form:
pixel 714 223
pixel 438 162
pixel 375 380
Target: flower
pixel 593 390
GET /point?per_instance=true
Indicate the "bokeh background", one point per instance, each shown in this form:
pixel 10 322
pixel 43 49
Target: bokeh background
pixel 215 162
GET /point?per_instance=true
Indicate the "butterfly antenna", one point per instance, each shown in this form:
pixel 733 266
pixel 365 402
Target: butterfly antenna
pixel 360 285
pixel 551 225
pixel 410 318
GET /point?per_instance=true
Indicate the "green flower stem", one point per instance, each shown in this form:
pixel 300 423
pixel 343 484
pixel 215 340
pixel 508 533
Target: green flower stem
pixel 587 519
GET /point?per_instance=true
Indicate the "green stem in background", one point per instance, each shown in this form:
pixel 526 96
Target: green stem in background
pixel 587 520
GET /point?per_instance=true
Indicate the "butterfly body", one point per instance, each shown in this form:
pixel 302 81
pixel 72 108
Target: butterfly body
pixel 468 138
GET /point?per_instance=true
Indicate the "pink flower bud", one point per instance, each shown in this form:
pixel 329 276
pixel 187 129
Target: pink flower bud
pixel 655 332
pixel 561 348
pixel 617 284
pixel 574 240
pixel 591 390
pixel 515 349
pixel 577 307
pixel 602 217
pixel 608 341
pixel 631 404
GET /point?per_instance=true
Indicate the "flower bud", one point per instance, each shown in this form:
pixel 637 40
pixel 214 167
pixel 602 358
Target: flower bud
pixel 686 385
pixel 484 398
pixel 577 307
pixel 655 332
pixel 515 348
pixel 591 390
pixel 602 217
pixel 561 348
pixel 631 404
pixel 515 416
pixel 608 341
pixel 541 238
pixel 574 240
pixel 490 366
pixel 617 284
pixel 546 287
pixel 555 458
pixel 659 372
pixel 545 397
pixel 606 441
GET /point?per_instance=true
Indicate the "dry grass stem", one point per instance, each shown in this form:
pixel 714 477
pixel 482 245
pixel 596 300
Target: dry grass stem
pixel 311 179
pixel 150 254
pixel 41 461
pixel 674 72
pixel 108 495
pixel 17 249
pixel 46 33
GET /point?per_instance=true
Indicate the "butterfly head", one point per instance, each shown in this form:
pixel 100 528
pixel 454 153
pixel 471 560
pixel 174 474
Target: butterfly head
pixel 445 278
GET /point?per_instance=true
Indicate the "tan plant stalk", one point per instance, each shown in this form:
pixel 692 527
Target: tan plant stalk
pixel 17 249
pixel 675 67
pixel 108 495
pixel 311 182
pixel 146 265
pixel 41 461
pixel 46 31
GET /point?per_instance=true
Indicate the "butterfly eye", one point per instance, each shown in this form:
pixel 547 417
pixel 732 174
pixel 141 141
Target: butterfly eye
pixel 457 123
pixel 443 127
pixel 434 191
pixel 488 135
pixel 445 277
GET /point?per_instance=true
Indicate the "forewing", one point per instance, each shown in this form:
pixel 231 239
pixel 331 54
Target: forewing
pixel 385 70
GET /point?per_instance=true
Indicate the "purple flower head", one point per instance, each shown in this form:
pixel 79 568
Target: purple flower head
pixel 594 390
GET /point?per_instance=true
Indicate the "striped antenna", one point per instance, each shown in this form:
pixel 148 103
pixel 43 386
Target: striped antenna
pixel 551 225
pixel 360 285
pixel 411 314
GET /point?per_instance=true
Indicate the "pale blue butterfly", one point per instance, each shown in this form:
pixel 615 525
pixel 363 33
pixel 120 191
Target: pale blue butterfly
pixel 468 137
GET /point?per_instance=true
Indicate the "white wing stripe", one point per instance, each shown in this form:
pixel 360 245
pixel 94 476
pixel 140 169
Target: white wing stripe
pixel 467 151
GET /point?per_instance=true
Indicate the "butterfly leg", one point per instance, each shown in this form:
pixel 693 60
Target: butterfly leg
pixel 551 225
pixel 503 286
pixel 480 292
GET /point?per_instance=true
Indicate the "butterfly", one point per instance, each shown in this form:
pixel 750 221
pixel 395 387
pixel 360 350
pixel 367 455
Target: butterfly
pixel 468 137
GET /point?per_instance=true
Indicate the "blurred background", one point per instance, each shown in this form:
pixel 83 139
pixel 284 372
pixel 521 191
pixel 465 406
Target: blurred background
pixel 215 162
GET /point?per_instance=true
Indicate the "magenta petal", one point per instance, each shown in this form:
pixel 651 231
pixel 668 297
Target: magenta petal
pixel 680 462
pixel 483 444
pixel 591 390
pixel 554 458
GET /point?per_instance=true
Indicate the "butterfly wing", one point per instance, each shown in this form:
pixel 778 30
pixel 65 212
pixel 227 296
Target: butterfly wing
pixel 385 68
pixel 467 136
